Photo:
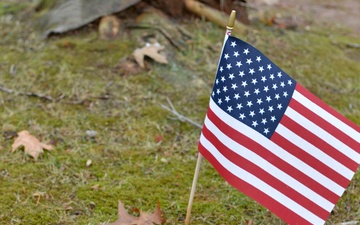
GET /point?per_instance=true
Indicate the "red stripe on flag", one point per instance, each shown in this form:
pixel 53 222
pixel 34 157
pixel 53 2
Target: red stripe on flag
pixel 319 143
pixel 324 106
pixel 263 175
pixel 272 158
pixel 283 212
pixel 317 165
pixel 330 128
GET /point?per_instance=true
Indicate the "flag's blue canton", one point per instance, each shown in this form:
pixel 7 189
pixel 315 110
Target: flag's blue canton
pixel 251 88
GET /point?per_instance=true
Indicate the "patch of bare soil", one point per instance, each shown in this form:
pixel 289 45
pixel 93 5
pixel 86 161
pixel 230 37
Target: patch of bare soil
pixel 340 13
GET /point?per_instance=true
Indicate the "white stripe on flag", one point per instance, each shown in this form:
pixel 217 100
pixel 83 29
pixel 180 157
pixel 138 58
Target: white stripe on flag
pixel 276 150
pixel 314 151
pixel 259 184
pixel 328 117
pixel 268 167
pixel 324 135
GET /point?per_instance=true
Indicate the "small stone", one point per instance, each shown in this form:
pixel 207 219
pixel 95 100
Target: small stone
pixel 88 162
pixel 163 160
pixel 91 133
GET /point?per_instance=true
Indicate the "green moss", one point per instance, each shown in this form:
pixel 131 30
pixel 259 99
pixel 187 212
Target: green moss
pixel 11 8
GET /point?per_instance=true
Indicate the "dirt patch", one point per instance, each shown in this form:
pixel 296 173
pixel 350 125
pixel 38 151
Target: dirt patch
pixel 342 14
pixel 339 13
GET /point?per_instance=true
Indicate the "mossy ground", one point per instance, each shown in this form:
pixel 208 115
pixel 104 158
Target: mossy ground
pixel 128 161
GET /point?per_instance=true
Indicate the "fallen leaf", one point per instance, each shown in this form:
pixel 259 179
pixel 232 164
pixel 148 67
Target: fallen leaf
pixel 67 206
pixel 249 222
pixel 150 50
pixel 32 146
pixel 143 219
pixel 127 66
pixel 158 138
pixel 66 44
pixel 95 187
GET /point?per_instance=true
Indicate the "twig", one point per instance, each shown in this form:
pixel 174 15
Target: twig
pixel 353 45
pixel 30 94
pixel 176 44
pixel 179 116
pixel 349 45
pixel 354 222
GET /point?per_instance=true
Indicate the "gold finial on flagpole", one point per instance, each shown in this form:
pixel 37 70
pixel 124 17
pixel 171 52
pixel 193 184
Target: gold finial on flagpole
pixel 231 21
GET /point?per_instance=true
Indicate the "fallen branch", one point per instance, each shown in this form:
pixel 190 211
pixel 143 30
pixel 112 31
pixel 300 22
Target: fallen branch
pixel 353 45
pixel 349 45
pixel 178 115
pixel 30 94
pixel 354 222
pixel 169 37
pixel 212 14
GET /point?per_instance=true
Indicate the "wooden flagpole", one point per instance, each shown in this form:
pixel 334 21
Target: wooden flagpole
pixel 193 187
pixel 229 28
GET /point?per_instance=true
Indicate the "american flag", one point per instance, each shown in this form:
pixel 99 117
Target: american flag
pixel 275 141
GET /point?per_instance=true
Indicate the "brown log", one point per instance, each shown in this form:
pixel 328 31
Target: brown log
pixel 228 5
pixel 211 14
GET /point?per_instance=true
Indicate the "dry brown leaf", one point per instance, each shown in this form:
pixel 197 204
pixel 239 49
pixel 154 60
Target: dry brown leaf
pixel 143 219
pixel 249 222
pixel 152 51
pixel 32 145
pixel 95 187
pixel 127 66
